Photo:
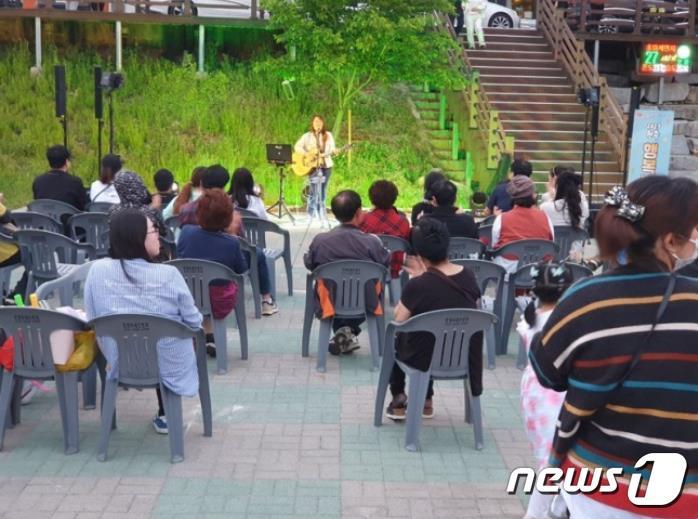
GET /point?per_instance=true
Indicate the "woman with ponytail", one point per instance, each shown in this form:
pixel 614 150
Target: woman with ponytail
pixel 624 347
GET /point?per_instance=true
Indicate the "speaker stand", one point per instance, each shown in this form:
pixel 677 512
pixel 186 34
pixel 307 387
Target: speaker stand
pixel 280 204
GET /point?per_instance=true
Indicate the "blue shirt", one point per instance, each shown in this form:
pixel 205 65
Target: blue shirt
pixel 153 289
pixel 197 243
pixel 500 198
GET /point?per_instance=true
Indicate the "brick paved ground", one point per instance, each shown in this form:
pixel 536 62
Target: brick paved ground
pixel 288 443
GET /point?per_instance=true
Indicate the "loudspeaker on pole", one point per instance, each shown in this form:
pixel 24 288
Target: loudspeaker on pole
pixel 60 93
pixel 99 111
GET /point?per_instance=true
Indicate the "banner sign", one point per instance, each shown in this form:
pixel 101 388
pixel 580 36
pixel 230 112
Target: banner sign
pixel 651 143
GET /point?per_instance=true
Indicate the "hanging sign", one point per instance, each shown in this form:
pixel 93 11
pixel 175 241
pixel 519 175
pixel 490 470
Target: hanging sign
pixel 651 144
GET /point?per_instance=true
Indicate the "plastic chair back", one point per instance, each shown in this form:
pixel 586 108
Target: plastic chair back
pixel 565 236
pixel 465 248
pixel 39 250
pixel 93 227
pixel 198 274
pixel 54 208
pixel 31 329
pixel 66 287
pixel 484 232
pixel 452 330
pixel 40 221
pixel 246 213
pixel 350 278
pixel 395 243
pixel 528 251
pixel 257 228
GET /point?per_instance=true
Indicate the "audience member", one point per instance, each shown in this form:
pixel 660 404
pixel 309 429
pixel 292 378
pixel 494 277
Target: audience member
pixel 551 185
pixel 435 284
pixel 133 193
pixel 541 406
pixel 243 194
pixel 214 177
pixel 57 183
pixel 622 344
pixel 384 218
pixel 190 192
pixel 102 190
pixel 211 239
pixel 346 242
pixel 426 206
pixel 129 282
pixel 458 224
pixel 166 187
pixel 500 200
pixel 568 209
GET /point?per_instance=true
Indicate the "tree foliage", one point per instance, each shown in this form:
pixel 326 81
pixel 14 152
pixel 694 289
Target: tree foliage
pixel 353 45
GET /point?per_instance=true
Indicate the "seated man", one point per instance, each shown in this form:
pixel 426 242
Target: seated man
pixel 461 225
pixel 500 201
pixel 385 219
pixel 166 187
pixel 345 242
pixel 435 284
pixel 57 183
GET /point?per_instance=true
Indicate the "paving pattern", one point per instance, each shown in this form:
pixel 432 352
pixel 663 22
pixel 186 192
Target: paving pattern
pixel 288 442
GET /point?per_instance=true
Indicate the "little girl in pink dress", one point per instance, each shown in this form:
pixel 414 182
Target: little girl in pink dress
pixel 541 406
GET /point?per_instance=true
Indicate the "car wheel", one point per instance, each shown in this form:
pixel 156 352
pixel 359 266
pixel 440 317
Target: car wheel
pixel 501 21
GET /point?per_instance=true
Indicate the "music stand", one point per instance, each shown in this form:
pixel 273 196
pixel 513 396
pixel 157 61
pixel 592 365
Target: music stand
pixel 280 155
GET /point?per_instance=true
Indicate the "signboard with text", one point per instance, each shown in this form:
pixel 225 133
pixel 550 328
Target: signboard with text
pixel 665 59
pixel 651 143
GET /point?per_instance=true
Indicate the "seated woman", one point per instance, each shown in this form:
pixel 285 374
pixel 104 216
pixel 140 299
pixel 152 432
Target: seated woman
pixel 243 194
pixel 212 240
pixel 190 192
pixel 435 284
pixel 103 190
pixel 524 222
pixel 129 282
pixel 384 218
pixel 427 205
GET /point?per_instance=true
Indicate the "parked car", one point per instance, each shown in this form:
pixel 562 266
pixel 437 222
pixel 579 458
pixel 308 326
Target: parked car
pixel 500 17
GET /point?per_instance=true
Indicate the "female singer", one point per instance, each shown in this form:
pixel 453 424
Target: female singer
pixel 318 141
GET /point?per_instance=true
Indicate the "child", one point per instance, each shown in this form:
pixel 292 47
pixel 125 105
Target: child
pixel 541 406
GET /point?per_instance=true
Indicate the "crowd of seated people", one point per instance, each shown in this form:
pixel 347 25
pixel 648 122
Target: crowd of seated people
pixel 646 235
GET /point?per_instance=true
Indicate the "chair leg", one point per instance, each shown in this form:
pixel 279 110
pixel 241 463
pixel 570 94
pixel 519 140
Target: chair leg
pixel 323 343
pixel 70 398
pixel 89 387
pixel 419 384
pixel 374 334
pixel 107 419
pixel 383 382
pixel 522 357
pixel 490 341
pixel 508 316
pixel 16 404
pixel 254 283
pixel 307 324
pixel 473 413
pixel 221 339
pixel 6 394
pixel 271 268
pixel 289 271
pixel 175 423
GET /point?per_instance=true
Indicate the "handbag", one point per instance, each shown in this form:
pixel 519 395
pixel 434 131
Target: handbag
pixel 84 353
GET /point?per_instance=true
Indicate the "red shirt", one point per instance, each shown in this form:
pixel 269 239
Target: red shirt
pixel 392 222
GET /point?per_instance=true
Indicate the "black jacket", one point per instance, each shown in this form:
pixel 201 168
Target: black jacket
pixel 61 186
pixel 459 224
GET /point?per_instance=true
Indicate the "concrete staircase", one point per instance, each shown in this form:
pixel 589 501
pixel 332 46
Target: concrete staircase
pixel 427 104
pixel 537 105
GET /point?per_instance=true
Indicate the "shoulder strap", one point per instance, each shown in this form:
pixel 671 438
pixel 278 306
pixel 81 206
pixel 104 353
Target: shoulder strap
pixel 449 281
pixel 102 191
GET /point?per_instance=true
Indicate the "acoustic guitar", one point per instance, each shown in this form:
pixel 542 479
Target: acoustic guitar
pixel 304 163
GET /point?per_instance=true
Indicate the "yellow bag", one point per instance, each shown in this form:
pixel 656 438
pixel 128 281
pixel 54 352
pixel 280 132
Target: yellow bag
pixel 84 354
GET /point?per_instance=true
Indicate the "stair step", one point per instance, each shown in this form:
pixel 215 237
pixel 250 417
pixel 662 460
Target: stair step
pixel 515 32
pixel 440 134
pixel 441 145
pixel 554 70
pixel 546 116
pixel 420 95
pixel 534 132
pixel 515 106
pixel 504 53
pixel 429 116
pixel 545 62
pixel 562 155
pixel 430 124
pixel 508 79
pixel 514 39
pixel 562 146
pixel 456 166
pixel 558 97
pixel 514 127
pixel 513 46
pixel 545 164
pixel 610 177
pixel 492 88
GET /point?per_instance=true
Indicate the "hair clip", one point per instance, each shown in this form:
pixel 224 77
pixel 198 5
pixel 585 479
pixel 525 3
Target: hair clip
pixel 618 197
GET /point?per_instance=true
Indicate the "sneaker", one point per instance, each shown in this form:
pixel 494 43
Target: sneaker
pixel 397 408
pixel 269 307
pixel 210 345
pixel 337 342
pixel 428 411
pixel 350 344
pixel 160 424
pixel 28 392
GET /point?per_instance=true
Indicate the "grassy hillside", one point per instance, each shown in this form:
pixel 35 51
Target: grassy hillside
pixel 167 117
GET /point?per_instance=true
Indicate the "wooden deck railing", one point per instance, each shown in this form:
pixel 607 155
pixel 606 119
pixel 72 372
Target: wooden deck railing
pixel 643 19
pixel 219 9
pixel 571 54
pixel 482 116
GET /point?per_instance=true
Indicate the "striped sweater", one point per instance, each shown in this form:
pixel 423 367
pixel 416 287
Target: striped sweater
pixel 586 348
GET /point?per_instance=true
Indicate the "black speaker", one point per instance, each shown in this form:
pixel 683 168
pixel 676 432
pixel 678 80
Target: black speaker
pixel 99 112
pixel 59 72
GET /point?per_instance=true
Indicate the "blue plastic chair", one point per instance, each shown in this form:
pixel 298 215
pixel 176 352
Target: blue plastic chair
pixel 350 278
pixel 198 274
pixel 136 336
pixel 452 330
